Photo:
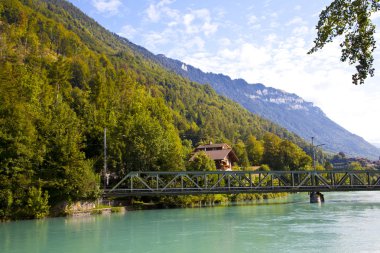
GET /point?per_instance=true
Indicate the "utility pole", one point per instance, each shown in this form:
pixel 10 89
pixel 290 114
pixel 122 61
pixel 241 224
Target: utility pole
pixel 315 197
pixel 105 159
pixel 314 147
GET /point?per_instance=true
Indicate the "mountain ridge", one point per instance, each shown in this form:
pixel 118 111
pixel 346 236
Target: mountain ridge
pixel 286 109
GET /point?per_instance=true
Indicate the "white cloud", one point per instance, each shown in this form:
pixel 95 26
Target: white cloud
pixel 153 39
pixel 161 9
pixel 199 21
pixel 229 54
pixel 107 6
pixel 271 38
pixel 267 3
pixel 196 43
pixel 300 30
pixel 188 19
pixel 182 32
pixel 127 31
pixel 273 15
pixel 253 56
pixel 224 42
pixel 375 15
pixel 153 13
pixel 295 21
pixel 252 20
pixel 209 28
pixel 274 24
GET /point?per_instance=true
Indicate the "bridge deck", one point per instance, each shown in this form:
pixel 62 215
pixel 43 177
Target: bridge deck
pixel 140 183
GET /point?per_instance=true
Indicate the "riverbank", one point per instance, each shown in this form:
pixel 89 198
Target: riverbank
pixel 169 202
pixel 104 207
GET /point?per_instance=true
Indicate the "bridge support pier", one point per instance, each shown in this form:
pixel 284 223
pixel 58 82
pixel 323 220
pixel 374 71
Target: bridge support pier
pixel 316 197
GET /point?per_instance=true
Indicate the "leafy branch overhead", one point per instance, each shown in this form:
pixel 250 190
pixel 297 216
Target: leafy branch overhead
pixel 351 18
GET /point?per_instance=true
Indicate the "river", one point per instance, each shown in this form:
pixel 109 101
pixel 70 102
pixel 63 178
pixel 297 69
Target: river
pixel 346 222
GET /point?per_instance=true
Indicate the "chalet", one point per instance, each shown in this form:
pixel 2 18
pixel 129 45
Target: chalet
pixel 221 153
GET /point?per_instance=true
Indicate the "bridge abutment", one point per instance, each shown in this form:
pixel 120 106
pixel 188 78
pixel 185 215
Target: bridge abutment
pixel 316 197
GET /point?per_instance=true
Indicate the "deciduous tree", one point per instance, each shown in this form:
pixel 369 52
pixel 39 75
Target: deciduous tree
pixel 350 20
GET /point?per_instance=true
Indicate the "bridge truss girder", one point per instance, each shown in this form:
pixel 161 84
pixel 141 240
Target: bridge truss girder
pixel 139 183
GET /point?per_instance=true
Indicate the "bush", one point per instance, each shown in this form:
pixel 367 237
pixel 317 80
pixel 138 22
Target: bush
pixel 264 167
pixel 37 203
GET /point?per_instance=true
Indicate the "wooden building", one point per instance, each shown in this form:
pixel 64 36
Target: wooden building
pixel 221 153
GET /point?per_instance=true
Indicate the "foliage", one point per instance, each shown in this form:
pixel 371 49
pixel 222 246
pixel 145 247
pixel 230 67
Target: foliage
pixel 255 150
pixel 241 153
pixel 283 154
pixel 355 166
pixel 201 162
pixel 351 18
pixel 117 209
pixel 23 203
pixel 64 79
pixel 37 203
pixel 6 201
pixel 264 167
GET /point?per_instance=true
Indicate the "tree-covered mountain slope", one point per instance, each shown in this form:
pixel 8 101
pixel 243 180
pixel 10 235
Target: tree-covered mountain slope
pixel 64 80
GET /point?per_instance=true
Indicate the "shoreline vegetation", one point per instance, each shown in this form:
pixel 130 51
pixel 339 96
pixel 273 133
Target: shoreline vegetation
pixel 105 207
pixel 169 202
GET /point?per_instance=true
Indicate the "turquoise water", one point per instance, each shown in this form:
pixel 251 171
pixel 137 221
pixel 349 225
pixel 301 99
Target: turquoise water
pixel 347 222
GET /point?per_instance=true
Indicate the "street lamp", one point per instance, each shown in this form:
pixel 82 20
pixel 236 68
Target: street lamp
pixel 314 147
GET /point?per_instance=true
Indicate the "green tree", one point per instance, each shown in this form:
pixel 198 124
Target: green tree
pixel 6 201
pixel 271 151
pixel 351 19
pixel 37 203
pixel 292 157
pixel 355 166
pixel 201 162
pixel 255 150
pixel 264 167
pixel 241 153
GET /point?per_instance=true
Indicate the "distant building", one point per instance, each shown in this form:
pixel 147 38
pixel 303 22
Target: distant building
pixel 222 154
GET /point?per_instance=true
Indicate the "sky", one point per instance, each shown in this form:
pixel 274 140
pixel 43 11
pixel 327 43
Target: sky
pixel 261 41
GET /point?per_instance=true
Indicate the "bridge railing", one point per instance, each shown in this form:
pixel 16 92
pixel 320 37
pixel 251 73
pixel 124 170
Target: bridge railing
pixel 230 182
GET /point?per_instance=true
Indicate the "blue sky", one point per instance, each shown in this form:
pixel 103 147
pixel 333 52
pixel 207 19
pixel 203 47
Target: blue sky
pixel 260 41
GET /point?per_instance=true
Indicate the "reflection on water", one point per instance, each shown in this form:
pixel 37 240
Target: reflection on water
pixel 346 222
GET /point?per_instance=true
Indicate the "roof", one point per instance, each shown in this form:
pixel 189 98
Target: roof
pixel 219 154
pixel 216 145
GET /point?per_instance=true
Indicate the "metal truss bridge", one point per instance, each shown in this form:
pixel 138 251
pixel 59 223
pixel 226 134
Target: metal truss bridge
pixel 140 183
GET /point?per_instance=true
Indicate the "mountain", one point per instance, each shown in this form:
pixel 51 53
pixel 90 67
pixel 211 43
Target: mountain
pixel 283 108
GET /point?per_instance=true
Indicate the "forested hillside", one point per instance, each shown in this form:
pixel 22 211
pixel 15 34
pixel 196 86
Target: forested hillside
pixel 64 79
